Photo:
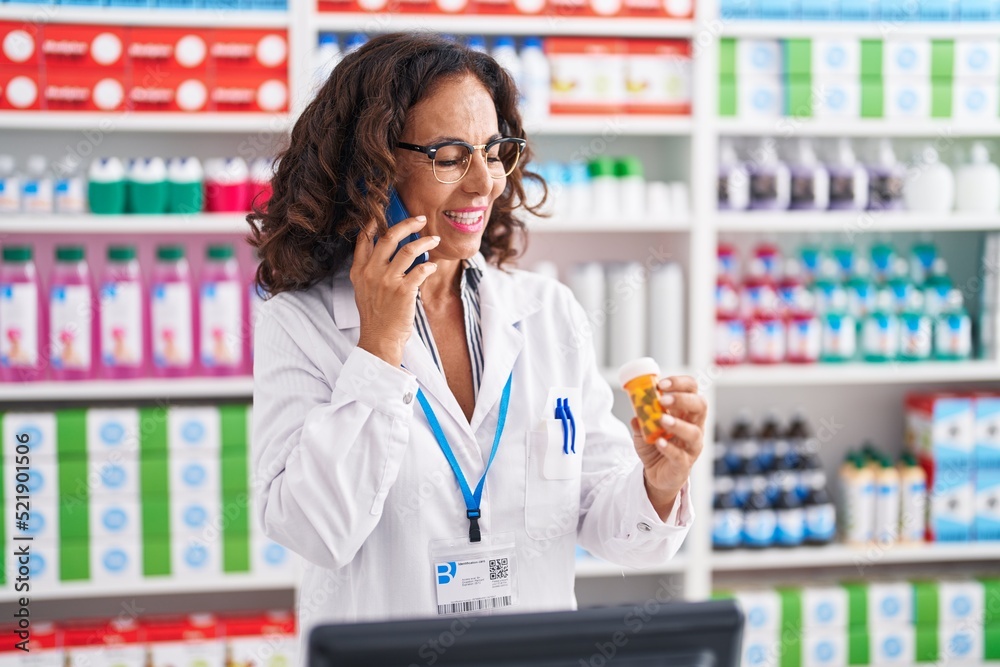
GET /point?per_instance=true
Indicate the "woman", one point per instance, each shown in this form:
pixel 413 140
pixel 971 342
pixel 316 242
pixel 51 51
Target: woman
pixel 368 372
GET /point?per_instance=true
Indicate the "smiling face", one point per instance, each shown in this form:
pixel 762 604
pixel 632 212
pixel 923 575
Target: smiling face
pixel 456 109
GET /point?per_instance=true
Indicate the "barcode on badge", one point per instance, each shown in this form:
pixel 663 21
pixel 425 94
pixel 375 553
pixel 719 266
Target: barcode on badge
pixel 475 605
pixel 499 569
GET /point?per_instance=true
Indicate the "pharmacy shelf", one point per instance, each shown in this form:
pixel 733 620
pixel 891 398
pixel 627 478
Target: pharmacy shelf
pixel 107 123
pixel 203 223
pixel 857 29
pixel 839 555
pixel 589 568
pixel 127 390
pixel 226 583
pixel 550 226
pixel 502 25
pixel 789 128
pixel 852 223
pixel 821 375
pixel 143 16
pixel 611 126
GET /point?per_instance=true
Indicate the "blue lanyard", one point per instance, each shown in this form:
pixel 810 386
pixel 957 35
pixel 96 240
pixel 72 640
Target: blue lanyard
pixel 472 499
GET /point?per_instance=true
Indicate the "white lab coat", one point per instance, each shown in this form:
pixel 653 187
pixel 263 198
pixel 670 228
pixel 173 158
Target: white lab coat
pixel 348 473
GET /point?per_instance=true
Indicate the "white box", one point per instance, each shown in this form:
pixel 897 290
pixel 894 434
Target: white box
pixel 760 97
pixel 952 508
pixel 194 472
pixel 118 476
pixel 824 607
pixel 269 650
pixel 890 605
pixel 42 521
pixel 43 565
pixel 188 654
pixel 961 602
pixel 116 560
pixel 272 559
pixel 761 649
pixel 837 97
pixel 907 98
pixel 195 516
pixel 113 433
pixel 195 557
pixel 758 57
pixel 193 429
pixel 824 648
pixel 977 57
pixel 761 609
pixel 42 480
pixel 906 57
pixel 892 645
pixel 108 655
pixel 832 56
pixel 961 644
pixel 40 429
pixel 112 517
pixel 974 99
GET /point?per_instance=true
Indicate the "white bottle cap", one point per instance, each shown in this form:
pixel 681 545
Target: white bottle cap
pixel 106 170
pixel 805 154
pixel 148 170
pixel 262 170
pixel 226 172
pixel 727 153
pixel 184 170
pixel 7 164
pixel 979 154
pixel 37 165
pixel 637 368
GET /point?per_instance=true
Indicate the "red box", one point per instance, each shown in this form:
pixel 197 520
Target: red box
pixel 588 75
pixel 259 625
pixel 573 8
pixel 169 48
pixel 115 632
pixel 65 46
pixel 509 7
pixel 675 9
pixel 44 635
pixel 20 89
pixel 177 91
pixel 249 51
pixel 84 90
pixel 249 93
pixel 19 43
pixel 180 628
pixel 658 77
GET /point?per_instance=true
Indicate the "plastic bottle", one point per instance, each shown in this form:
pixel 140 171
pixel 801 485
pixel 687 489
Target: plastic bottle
pixel 922 258
pixel 848 180
pixel 666 314
pixel 858 493
pixel 477 43
pixel 913 500
pixel 146 192
pixel 819 512
pixel 977 184
pixel 37 190
pixel 505 53
pixel 883 254
pixel 953 330
pixel 727 516
pixel 261 172
pixel 930 185
pixel 936 287
pixel 880 331
pixel 221 313
pixel 899 283
pixel 227 185
pixel 185 186
pixel 811 254
pixel 605 193
pixel 789 515
pixel 21 325
pixel 106 186
pixel 734 179
pixel 770 179
pixel 846 258
pixel 887 502
pixel 730 329
pixel 767 335
pixel 759 518
pixel 589 285
pixel 73 346
pixel 839 336
pixel 638 378
pixel 122 316
pixel 70 191
pixel 631 188
pixel 758 291
pixel 748 466
pixel 827 286
pixel 728 263
pixel 915 329
pixel 171 316
pixel 791 285
pixel 885 179
pixel 720 464
pixel 10 185
pixel 325 59
pixel 810 181
pixel 767 437
pixel 740 432
pixel 580 199
pixel 805 331
pixel 536 80
pixel 627 293
pixel 354 42
pixel 769 253
pixel 861 293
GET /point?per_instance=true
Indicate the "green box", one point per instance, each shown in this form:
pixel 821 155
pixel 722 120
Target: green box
pixel 156 517
pixel 942 59
pixel 727 96
pixel 236 553
pixel 872 98
pixel 797 57
pixel 799 97
pixel 74 560
pixel 871 59
pixel 71 434
pixel 858 646
pixel 727 57
pixel 942 95
pixel 153 475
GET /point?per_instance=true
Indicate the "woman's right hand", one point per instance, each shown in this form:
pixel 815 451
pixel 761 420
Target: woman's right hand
pixel 386 295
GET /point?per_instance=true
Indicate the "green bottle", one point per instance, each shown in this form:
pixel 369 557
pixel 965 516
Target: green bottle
pixel 147 186
pixel 915 329
pixel 922 260
pixel 936 287
pixel 880 331
pixel 882 256
pixel 839 332
pixel 953 330
pixel 899 283
pixel 185 187
pixel 106 186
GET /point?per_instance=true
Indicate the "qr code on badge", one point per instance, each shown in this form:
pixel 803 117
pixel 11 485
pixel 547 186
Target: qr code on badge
pixel 499 569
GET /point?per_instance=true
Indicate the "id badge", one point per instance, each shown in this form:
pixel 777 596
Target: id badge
pixel 474 577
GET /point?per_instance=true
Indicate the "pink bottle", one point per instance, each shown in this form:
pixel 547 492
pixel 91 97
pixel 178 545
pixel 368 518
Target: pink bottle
pixel 22 322
pixel 171 314
pixel 767 332
pixel 122 317
pixel 791 286
pixel 72 321
pixel 221 313
pixel 769 253
pixel 730 328
pixel 227 186
pixel 805 331
pixel 758 289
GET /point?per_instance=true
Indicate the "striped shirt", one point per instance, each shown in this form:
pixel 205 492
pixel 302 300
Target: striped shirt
pixel 472 273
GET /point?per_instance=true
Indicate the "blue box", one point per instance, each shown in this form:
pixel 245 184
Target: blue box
pixel 986 454
pixel 738 9
pixel 88 3
pixel 859 10
pixel 179 4
pixel 778 10
pixel 899 10
pixel 936 10
pixel 977 10
pixel 820 10
pixel 987 524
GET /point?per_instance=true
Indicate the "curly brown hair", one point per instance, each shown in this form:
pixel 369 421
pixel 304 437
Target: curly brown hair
pixel 335 176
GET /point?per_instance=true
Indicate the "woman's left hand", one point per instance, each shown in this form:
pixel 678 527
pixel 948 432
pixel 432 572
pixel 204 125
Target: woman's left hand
pixel 667 464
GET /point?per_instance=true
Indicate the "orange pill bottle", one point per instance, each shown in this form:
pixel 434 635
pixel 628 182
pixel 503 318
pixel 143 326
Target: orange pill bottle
pixel 638 378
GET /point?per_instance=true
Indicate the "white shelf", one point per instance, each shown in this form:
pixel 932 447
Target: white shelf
pixel 144 16
pixel 127 390
pixel 203 223
pixel 847 556
pixel 819 375
pixel 223 583
pixel 589 568
pixel 853 222
pixel 140 121
pixel 879 29
pixel 542 225
pixel 503 25
pixel 610 126
pixel 788 128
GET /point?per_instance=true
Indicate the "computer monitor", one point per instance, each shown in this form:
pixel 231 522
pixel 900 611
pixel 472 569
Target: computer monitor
pixel 682 634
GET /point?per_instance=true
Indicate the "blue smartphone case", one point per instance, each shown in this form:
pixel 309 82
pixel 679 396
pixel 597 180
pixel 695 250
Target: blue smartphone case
pixel 395 213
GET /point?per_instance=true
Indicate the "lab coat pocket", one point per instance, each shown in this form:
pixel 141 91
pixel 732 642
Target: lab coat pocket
pixel 552 487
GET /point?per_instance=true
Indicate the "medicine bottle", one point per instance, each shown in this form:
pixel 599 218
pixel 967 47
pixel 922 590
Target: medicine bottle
pixel 638 378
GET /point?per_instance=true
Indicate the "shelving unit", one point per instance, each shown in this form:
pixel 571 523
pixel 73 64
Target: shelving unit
pixel 804 222
pixel 144 16
pixel 165 389
pixel 842 556
pixel 592 568
pixel 755 29
pixel 788 127
pixel 506 25
pixel 817 375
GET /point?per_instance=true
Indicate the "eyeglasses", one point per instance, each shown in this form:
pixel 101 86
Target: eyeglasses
pixel 450 160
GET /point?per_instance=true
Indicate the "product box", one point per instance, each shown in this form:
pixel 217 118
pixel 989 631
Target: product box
pixel 508 7
pixel 588 75
pixel 270 558
pixel 890 604
pixel 42 567
pixel 114 642
pixel 42 480
pixel 960 602
pixel 824 607
pixel 975 99
pixel 960 644
pixel 908 98
pixel 738 9
pixel 194 473
pixel 113 433
pixel 892 645
pixel 778 9
pixel 194 515
pixel 987 521
pixel 173 50
pixel 987 430
pixel 46 646
pixel 248 93
pixel 116 560
pixel 824 647
pixel 676 9
pixel 250 51
pixel 859 10
pixel 941 428
pixel 836 57
pixel 977 10
pixel 591 8
pixel 176 93
pixel 189 641
pixel 118 478
pixel 759 57
pixel 195 556
pixel 84 90
pixel 761 609
pixel 19 44
pixel 112 517
pixel 193 429
pixel 261 639
pixel 67 47
pixel 952 505
pixel 760 97
pixel 20 89
pixel 819 10
pixel 761 648
pixel 936 10
pixel 42 521
pixel 906 57
pixel 40 430
pixel 658 77
pixel 837 97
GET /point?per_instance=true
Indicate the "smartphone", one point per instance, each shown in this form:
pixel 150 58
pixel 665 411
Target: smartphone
pixel 395 213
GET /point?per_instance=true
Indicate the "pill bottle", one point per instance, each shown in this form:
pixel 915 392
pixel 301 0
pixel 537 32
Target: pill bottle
pixel 638 378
